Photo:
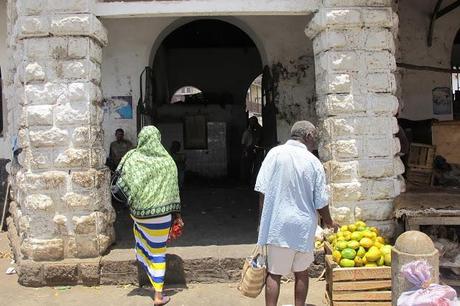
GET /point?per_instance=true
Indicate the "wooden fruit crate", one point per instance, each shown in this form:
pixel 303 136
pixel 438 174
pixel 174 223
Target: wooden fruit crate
pixel 421 156
pixel 420 175
pixel 363 286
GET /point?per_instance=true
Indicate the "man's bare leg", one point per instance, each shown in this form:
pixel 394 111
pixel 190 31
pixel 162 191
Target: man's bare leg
pixel 301 287
pixel 272 289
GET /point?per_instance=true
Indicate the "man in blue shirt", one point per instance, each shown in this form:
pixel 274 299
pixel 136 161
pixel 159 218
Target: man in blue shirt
pixel 292 187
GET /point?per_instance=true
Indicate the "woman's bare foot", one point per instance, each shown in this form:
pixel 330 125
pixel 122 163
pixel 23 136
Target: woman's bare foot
pixel 160 300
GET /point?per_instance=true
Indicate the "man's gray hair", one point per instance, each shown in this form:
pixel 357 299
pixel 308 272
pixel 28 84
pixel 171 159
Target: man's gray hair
pixel 301 129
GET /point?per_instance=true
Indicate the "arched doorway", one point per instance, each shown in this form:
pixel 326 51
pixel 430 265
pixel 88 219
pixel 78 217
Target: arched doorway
pixel 456 74
pixel 220 61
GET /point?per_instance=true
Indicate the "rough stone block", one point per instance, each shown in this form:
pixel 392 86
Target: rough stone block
pixel 70 246
pixel 58 48
pixel 45 94
pixel 77 201
pixel 334 83
pixel 77 69
pixel 47 249
pixel 78 25
pixel 72 114
pixel 48 138
pixel 30 273
pixel 62 25
pixel 358 3
pixel 49 180
pixel 72 158
pixel 380 147
pixel 33 26
pixel 381 83
pixel 61 274
pixel 36 202
pixel 344 61
pixel 61 226
pixel 84 91
pixel 40 115
pixel 35 72
pixel 378 17
pixel 377 168
pixel 374 210
pixel 384 189
pixel 79 47
pixel 380 61
pixel 97 158
pixel 39 158
pixel 85 224
pixel 71 6
pixel 379 40
pixel 36 49
pixel 95 51
pixel 89 273
pixel 341 171
pixel 84 179
pixel 87 246
pixel 345 192
pixel 383 103
pixel 342 214
pixel 30 7
pixel 119 267
pixel 340 150
pixel 341 17
pixel 336 104
pixel 344 127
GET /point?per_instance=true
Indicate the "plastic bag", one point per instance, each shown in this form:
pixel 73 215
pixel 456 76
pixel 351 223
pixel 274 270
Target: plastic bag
pixel 424 294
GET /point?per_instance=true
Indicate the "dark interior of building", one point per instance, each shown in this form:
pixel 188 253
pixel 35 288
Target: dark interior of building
pixel 219 61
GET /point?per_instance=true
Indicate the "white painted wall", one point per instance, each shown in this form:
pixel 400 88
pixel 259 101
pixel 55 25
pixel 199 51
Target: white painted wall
pixel 4 146
pixel 416 86
pixel 282 38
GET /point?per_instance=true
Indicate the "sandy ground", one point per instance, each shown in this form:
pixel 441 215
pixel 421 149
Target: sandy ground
pixel 11 293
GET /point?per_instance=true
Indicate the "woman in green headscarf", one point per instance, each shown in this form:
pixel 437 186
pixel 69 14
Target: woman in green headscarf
pixel 149 178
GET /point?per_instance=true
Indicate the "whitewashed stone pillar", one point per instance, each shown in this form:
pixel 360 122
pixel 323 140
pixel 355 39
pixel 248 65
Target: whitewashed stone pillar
pixel 355 84
pixel 62 203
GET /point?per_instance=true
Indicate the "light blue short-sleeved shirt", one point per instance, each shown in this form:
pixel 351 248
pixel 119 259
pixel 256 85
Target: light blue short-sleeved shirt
pixel 294 184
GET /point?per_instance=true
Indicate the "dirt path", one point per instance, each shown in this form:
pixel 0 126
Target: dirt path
pixel 11 293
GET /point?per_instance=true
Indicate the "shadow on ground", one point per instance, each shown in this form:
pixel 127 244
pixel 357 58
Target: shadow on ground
pixel 215 213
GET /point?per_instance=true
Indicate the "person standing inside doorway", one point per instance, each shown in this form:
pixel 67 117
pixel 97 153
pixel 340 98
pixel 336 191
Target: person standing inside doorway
pixel 292 188
pixel 118 149
pixel 250 141
pixel 180 160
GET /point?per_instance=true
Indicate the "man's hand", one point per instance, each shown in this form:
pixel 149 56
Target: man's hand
pixel 334 225
pixel 327 220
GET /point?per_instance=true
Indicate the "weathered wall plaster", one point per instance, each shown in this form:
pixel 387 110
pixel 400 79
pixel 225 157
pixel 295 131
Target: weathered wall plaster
pixel 4 145
pixel 131 41
pixel 416 86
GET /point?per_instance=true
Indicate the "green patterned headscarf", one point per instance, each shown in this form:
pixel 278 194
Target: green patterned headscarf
pixel 149 177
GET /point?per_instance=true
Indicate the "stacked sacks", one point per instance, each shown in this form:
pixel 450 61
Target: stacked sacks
pixel 357 245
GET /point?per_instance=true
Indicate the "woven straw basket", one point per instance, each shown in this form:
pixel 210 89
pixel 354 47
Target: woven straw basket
pixel 252 279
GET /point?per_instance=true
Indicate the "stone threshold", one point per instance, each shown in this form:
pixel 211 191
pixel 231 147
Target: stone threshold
pixel 194 264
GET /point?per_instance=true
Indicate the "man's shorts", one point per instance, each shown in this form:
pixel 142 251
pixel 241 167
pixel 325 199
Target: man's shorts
pixel 282 261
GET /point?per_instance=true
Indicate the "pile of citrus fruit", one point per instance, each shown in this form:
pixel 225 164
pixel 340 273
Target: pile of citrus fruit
pixel 357 245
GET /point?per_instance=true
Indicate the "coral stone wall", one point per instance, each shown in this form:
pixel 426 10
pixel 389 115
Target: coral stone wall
pixel 62 203
pixel 354 59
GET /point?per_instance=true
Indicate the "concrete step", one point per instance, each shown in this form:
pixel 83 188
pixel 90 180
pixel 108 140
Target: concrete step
pixel 197 264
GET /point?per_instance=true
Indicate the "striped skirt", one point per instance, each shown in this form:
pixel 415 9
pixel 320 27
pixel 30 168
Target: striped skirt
pixel 151 236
